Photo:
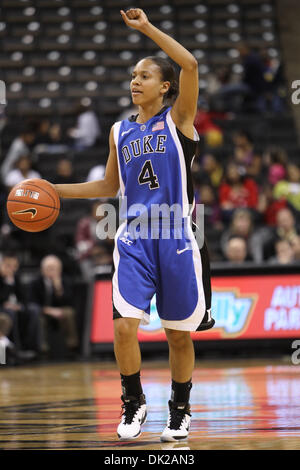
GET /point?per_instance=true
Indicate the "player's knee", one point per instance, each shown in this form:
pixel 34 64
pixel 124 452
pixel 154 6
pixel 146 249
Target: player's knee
pixel 178 339
pixel 125 330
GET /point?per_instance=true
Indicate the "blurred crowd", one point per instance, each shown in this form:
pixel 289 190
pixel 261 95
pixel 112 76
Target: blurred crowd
pixel 251 203
pixel 38 273
pixel 251 206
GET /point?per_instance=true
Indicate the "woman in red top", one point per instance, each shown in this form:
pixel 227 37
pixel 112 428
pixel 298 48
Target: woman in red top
pixel 237 191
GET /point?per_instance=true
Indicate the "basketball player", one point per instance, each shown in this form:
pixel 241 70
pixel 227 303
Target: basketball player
pixel 149 160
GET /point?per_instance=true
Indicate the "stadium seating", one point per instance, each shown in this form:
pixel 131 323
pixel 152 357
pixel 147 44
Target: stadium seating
pixel 81 43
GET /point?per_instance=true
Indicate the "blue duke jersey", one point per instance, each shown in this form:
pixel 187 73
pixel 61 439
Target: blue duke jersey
pixel 154 161
pixel 154 164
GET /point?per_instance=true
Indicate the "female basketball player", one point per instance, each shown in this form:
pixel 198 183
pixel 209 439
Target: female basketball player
pixel 149 160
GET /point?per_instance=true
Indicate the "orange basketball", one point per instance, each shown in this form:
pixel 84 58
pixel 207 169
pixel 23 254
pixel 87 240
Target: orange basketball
pixel 33 205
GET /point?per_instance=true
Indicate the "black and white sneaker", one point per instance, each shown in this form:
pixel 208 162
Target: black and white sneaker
pixel 178 425
pixel 133 416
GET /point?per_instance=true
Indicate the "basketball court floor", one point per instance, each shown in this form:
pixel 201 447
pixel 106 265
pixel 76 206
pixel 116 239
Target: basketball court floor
pixel 235 405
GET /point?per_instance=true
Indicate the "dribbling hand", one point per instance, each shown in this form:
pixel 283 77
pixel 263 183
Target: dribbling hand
pixel 135 18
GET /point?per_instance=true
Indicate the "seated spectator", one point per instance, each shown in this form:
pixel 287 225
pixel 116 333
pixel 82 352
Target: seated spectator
pixel 222 90
pixel 289 187
pixel 275 82
pixel 284 253
pixel 23 171
pixel 49 139
pixel 51 295
pixel 244 156
pixel 19 147
pixel 96 173
pixel 47 133
pixel 253 84
pixel 268 206
pixel 92 252
pixel 242 226
pixel 208 170
pixel 24 323
pixel 250 92
pixel 237 191
pixel 274 164
pixel 212 215
pixel 205 126
pixel 236 250
pixel 87 129
pixel 285 229
pixel 64 172
pixel 215 81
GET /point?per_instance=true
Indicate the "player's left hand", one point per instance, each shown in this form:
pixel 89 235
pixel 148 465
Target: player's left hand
pixel 135 18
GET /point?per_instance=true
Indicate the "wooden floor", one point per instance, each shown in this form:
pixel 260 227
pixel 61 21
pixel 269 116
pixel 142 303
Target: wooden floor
pixel 235 405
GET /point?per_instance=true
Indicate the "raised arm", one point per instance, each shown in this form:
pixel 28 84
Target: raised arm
pixel 185 108
pixel 108 187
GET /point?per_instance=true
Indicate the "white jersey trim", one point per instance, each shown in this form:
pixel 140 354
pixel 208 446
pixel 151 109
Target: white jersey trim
pixel 117 126
pixel 185 200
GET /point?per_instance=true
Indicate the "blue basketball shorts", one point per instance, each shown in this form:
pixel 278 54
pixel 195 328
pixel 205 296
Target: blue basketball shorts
pixel 170 268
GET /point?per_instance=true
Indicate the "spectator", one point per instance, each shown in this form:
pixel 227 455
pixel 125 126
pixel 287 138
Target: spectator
pixel 64 172
pixel 25 323
pixel 96 173
pixel 244 155
pixel 49 139
pixel 250 91
pixel 23 171
pixel 285 229
pixel 222 88
pixel 92 252
pixel 212 215
pixel 284 253
pixel 87 129
pixel 289 188
pixel 253 84
pixel 236 250
pixel 215 81
pixel 51 295
pixel 242 226
pixel 275 154
pixel 275 161
pixel 205 126
pixel 237 191
pixel 19 147
pixel 48 134
pixel 275 86
pixel 209 171
pixel 268 206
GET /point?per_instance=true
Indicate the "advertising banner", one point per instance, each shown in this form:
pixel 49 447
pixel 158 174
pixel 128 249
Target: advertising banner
pixel 244 307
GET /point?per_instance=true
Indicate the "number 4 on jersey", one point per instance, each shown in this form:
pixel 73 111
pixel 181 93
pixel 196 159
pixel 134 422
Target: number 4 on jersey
pixel 147 176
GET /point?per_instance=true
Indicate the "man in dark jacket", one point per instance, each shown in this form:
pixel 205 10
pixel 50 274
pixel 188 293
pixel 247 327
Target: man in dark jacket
pixel 52 296
pixel 20 323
